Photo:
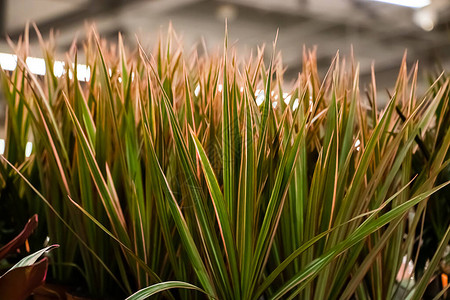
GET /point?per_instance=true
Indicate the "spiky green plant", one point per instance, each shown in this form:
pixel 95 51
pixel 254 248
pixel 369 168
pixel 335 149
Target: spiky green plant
pixel 172 170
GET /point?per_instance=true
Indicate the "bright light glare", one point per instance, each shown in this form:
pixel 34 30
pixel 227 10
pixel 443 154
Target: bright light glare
pixel 287 99
pixel 259 97
pixel 28 149
pixel 425 18
pixel 8 62
pixel 2 146
pixel 358 145
pixel 83 72
pixel 58 68
pixel 274 104
pixel 220 88
pixel 296 103
pixel 197 90
pixel 36 65
pixel 407 3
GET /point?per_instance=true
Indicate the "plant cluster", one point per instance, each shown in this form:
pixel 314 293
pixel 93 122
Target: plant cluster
pixel 171 170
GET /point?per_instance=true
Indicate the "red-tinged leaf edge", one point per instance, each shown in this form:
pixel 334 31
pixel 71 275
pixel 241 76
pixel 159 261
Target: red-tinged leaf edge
pixel 20 282
pixel 20 238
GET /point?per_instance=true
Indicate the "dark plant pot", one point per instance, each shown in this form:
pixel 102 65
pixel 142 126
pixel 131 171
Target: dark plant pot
pixel 55 292
pixel 50 292
pixel 72 297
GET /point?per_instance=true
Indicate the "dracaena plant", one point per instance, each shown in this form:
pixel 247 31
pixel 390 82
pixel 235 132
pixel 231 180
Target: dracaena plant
pixel 192 176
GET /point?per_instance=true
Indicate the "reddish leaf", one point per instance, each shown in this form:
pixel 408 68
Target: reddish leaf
pixel 19 283
pixel 20 238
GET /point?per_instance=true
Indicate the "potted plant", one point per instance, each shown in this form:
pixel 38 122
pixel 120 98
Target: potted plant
pixel 188 176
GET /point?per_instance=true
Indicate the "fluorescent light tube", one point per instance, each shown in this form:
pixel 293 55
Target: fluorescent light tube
pixel 197 90
pixel 2 146
pixel 407 3
pixel 83 72
pixel 36 65
pixel 58 68
pixel 8 62
pixel 28 149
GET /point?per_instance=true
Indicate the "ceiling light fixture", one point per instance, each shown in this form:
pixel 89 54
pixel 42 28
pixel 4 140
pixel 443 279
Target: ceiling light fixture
pixel 227 12
pixel 425 18
pixel 36 65
pixel 2 146
pixel 407 3
pixel 197 90
pixel 28 149
pixel 8 61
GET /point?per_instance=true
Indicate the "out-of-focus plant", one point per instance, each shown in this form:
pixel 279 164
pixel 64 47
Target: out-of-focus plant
pixel 175 170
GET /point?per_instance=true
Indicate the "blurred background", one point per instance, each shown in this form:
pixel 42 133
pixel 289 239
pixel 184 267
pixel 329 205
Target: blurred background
pixel 379 31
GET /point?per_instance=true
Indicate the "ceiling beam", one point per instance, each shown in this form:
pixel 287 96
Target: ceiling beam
pixel 3 20
pixel 85 12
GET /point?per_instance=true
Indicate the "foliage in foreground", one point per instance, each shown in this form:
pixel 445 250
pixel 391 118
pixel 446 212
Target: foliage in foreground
pixel 174 170
pixel 26 275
